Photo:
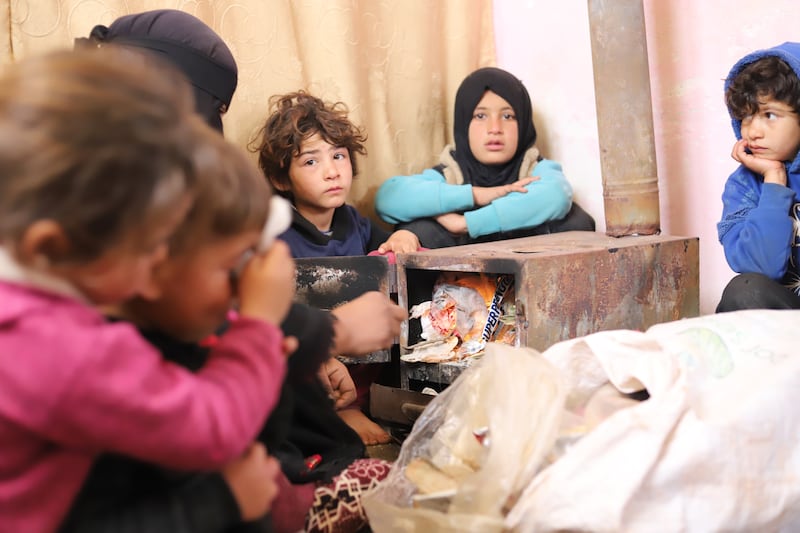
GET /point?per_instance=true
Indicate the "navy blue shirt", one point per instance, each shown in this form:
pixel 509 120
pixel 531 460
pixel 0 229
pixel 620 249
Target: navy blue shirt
pixel 351 234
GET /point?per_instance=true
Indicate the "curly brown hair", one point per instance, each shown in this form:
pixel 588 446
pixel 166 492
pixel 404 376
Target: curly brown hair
pixel 768 77
pixel 294 118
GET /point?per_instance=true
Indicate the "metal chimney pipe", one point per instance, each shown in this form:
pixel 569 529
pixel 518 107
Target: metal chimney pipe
pixel 624 117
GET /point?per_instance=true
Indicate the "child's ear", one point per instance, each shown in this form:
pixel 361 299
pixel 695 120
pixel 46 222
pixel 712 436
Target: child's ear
pixel 151 291
pixel 280 185
pixel 162 275
pixel 44 242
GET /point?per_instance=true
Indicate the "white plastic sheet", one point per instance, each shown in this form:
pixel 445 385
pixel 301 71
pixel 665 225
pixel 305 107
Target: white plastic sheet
pixel 716 447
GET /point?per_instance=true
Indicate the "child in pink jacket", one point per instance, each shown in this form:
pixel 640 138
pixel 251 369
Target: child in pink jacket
pixel 97 157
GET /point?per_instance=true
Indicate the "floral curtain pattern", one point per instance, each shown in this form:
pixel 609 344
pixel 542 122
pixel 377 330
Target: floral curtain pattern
pixel 395 63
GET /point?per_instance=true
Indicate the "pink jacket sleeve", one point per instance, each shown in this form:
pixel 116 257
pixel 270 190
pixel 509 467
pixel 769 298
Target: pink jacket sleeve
pixel 125 398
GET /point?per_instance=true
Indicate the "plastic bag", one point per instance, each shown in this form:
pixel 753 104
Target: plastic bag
pixel 481 440
pixel 714 448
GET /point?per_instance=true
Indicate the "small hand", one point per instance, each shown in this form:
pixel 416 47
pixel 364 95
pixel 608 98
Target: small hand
pixel 337 382
pixel 486 195
pixel 374 308
pixel 267 284
pixel 252 479
pixel 455 223
pixel 290 345
pixel 401 241
pixel 773 171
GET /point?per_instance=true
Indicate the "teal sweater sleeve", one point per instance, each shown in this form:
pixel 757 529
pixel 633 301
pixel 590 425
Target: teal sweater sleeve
pixel 406 198
pixel 548 198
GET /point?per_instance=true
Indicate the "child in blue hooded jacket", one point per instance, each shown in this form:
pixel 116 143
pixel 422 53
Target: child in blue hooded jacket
pixel 759 225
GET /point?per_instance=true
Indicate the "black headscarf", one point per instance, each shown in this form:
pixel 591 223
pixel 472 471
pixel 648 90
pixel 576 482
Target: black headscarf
pixel 469 94
pixel 188 43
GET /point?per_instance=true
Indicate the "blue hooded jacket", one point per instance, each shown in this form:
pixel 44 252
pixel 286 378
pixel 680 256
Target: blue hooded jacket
pixel 760 221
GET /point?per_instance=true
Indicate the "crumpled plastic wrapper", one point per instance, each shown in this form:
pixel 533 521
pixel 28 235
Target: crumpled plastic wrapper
pixel 466 311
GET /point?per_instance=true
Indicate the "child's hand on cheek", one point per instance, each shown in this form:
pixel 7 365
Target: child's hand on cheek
pixel 400 242
pixel 267 284
pixel 773 171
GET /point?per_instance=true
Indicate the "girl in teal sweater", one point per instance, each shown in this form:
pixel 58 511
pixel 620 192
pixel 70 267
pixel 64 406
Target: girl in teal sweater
pixel 493 184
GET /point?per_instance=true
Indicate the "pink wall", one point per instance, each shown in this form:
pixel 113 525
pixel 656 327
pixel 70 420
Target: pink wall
pixel 691 47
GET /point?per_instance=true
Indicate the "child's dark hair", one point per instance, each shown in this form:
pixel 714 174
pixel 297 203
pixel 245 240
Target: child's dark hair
pixel 296 117
pixel 231 195
pixel 766 77
pixel 98 141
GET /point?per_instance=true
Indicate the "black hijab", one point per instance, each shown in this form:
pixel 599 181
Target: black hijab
pixel 469 94
pixel 188 43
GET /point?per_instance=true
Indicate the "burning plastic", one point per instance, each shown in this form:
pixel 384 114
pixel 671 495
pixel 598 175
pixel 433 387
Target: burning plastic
pixel 466 311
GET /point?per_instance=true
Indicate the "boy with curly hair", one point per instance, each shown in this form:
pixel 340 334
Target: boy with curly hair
pixel 307 151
